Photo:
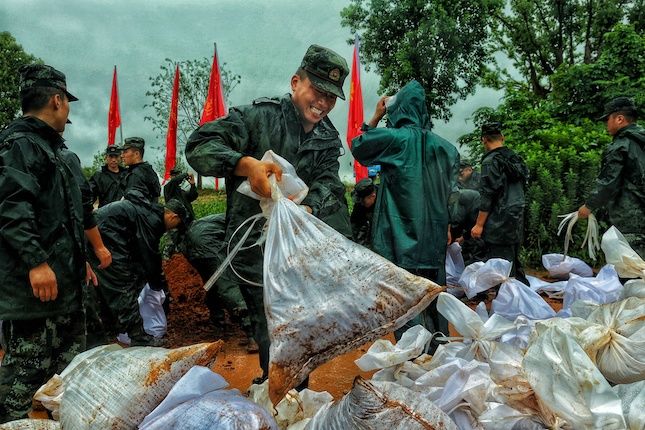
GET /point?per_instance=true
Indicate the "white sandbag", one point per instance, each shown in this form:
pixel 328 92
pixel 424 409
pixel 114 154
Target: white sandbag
pixel 515 299
pixel 152 312
pixel 503 417
pixel 604 288
pixel 478 336
pixel 51 393
pixel 569 384
pixel 454 264
pixel 325 295
pixel 121 387
pixel 519 336
pixel 632 397
pixel 406 373
pixel 615 340
pixel 560 266
pixel 200 401
pixel 554 290
pixel 479 276
pixel 29 424
pixel 382 353
pixel 634 288
pixel 380 405
pixel 618 252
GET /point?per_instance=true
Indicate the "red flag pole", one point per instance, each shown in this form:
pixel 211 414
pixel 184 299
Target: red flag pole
pixel 171 137
pixel 114 112
pixel 214 106
pixel 355 117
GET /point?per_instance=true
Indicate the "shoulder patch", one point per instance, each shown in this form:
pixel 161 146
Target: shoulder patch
pixel 262 100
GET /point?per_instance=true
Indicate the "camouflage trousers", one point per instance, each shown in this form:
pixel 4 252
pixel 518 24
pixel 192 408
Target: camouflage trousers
pixel 36 349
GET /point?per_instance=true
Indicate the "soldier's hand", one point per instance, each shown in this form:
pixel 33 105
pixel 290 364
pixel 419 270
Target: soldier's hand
pixel 104 256
pixel 477 231
pixel 191 179
pixel 584 212
pixel 258 173
pixel 449 236
pixel 43 282
pixel 379 112
pixel 90 276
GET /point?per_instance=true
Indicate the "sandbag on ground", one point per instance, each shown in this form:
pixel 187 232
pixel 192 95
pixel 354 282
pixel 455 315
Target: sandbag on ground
pixel 28 424
pixel 380 405
pixel 121 387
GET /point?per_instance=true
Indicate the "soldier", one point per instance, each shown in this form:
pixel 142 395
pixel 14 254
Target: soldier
pixel 174 189
pixel 468 177
pixel 132 229
pixel 106 183
pixel 364 197
pixel 620 186
pixel 139 175
pixel 418 173
pixel 296 127
pixel 500 222
pixel 463 216
pixel 42 253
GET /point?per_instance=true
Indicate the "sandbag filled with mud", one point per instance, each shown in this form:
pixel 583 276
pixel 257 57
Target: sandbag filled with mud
pixel 325 295
pixel 29 424
pixel 381 405
pixel 121 387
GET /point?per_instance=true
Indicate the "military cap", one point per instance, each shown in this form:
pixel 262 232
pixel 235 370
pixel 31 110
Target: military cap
pixel 363 188
pixel 619 104
pixel 326 69
pixel 177 207
pixel 133 142
pixel 464 162
pixel 42 75
pixel 492 129
pixel 112 150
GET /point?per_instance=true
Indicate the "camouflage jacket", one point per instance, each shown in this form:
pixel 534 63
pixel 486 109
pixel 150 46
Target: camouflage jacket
pixel 621 183
pixel 142 177
pixel 41 220
pixel 106 185
pixel 271 123
pixel 173 190
pixel 503 179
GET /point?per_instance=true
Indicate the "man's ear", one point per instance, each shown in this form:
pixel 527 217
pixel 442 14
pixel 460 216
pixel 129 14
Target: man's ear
pixel 294 81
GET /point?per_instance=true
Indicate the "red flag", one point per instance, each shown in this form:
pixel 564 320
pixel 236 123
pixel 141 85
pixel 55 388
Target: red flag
pixel 114 116
pixel 171 137
pixel 214 106
pixel 355 119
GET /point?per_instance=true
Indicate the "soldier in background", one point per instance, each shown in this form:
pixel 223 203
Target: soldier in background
pixel 468 177
pixel 364 197
pixel 106 183
pixel 139 175
pixel 181 186
pixel 620 186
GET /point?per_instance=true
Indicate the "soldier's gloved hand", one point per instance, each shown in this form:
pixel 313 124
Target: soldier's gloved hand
pixel 258 173
pixel 43 282
pixel 104 256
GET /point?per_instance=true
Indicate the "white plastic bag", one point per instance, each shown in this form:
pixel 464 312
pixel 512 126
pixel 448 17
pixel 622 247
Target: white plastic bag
pixel 618 252
pixel 152 313
pixel 634 288
pixel 514 299
pixel 29 424
pixel 454 264
pixel 200 400
pixel 554 290
pixel 378 405
pixel 604 288
pixel 633 398
pixel 325 295
pixel 568 383
pixel 591 236
pixel 383 354
pixel 478 277
pixel 561 266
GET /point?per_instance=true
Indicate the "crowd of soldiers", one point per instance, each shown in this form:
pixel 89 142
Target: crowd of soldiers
pixel 54 245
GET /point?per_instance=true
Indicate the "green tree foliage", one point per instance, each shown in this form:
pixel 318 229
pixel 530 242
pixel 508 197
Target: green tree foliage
pixel 442 44
pixel 193 88
pixel 541 36
pixel 558 136
pixel 12 57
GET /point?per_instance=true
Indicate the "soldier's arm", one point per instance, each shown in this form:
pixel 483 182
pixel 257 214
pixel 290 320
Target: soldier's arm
pixel 378 146
pixel 609 180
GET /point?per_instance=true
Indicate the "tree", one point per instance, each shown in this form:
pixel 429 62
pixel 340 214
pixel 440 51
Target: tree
pixel 193 88
pixel 443 44
pixel 540 36
pixel 12 57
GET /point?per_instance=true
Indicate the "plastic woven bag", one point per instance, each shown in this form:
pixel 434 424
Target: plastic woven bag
pixel 561 266
pixel 454 264
pixel 617 251
pixel 604 288
pixel 383 354
pixel 591 236
pixel 633 399
pixel 29 424
pixel 152 313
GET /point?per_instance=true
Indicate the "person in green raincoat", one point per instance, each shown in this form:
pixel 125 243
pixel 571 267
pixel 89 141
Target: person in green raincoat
pixel 418 173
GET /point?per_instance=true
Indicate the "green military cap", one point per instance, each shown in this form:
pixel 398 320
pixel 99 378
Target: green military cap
pixel 112 150
pixel 326 69
pixel 363 188
pixel 133 142
pixel 464 162
pixel 42 75
pixel 492 129
pixel 619 104
pixel 177 207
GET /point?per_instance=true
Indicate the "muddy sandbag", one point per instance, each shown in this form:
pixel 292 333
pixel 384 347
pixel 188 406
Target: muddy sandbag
pixel 29 424
pixel 375 405
pixel 121 387
pixel 632 397
pixel 325 295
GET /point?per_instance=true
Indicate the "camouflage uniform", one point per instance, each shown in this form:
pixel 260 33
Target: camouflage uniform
pixel 463 216
pixel 361 217
pixel 140 176
pixel 621 185
pixel 41 221
pixel 106 184
pixel 275 123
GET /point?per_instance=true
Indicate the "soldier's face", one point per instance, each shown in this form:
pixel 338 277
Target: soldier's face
pixel 61 112
pixel 615 122
pixel 312 103
pixel 112 161
pixel 130 156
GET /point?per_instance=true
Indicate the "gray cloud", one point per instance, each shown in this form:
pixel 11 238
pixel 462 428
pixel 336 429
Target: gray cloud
pixel 260 40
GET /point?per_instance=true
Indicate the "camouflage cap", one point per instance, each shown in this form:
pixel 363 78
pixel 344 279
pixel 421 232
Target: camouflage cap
pixel 326 69
pixel 619 104
pixel 42 75
pixel 464 162
pixel 177 207
pixel 363 188
pixel 112 150
pixel 492 129
pixel 133 142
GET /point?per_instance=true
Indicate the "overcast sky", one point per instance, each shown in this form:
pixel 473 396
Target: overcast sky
pixel 261 40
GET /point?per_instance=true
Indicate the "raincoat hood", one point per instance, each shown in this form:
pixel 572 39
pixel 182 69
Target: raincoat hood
pixel 409 107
